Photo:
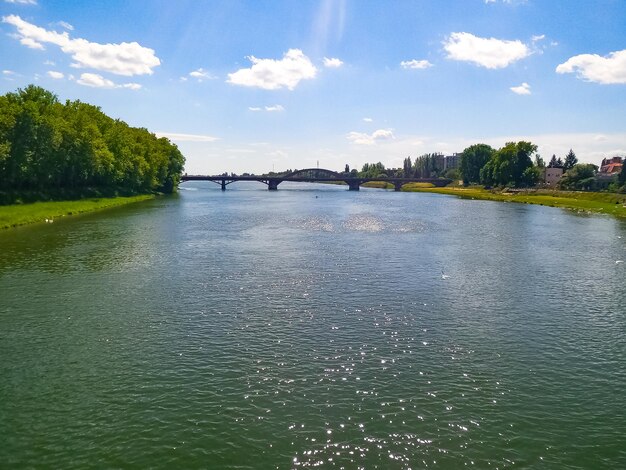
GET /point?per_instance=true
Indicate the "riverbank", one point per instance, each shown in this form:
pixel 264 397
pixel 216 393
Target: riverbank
pixel 22 214
pixel 602 203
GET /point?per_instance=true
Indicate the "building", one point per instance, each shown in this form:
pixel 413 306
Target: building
pixel 452 161
pixel 551 176
pixel 611 166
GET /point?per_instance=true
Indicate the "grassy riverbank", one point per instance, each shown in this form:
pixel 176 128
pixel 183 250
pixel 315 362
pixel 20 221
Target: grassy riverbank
pixel 604 203
pixel 22 214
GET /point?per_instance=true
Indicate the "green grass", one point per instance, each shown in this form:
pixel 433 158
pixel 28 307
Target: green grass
pixel 378 184
pixel 37 212
pixel 605 203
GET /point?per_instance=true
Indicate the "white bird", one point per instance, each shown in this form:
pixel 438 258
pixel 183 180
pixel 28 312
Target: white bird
pixel 444 276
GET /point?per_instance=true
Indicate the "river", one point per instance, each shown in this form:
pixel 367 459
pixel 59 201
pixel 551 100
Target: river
pixel 314 327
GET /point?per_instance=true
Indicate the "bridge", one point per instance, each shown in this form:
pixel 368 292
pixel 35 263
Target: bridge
pixel 314 175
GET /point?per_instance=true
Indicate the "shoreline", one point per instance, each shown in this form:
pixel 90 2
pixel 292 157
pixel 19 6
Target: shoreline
pixel 16 215
pixel 613 204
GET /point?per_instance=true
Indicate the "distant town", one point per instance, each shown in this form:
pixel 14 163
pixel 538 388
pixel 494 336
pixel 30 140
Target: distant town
pixel 558 173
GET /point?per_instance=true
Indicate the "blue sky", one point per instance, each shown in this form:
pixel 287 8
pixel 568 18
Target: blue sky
pixel 256 85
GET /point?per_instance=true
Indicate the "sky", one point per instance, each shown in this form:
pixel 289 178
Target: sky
pixel 254 86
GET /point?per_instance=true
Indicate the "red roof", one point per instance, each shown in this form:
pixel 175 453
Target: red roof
pixel 611 168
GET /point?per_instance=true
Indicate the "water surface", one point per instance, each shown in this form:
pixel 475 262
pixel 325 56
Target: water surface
pixel 314 327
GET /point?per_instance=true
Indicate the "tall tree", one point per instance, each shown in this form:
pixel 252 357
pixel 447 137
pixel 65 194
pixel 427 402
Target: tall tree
pixel 539 163
pixel 407 167
pixel 473 159
pixel 580 176
pixel 511 166
pixel 554 163
pixel 570 160
pixel 621 179
pixel 46 145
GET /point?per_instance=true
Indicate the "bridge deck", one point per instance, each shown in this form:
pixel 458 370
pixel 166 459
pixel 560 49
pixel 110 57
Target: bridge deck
pixel 351 181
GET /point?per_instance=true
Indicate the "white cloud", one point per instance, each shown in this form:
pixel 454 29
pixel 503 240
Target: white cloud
pixel 332 62
pixel 8 75
pixel 271 74
pixel 55 75
pixel 610 69
pixel 539 37
pixel 94 80
pixel 31 44
pixel 415 64
pixel 50 63
pixel 187 137
pixel 22 2
pixel 201 75
pixel 98 81
pixel 65 25
pixel 523 89
pixel 361 138
pixel 126 58
pixel 491 53
pixel 510 2
pixel 269 109
pixel 367 119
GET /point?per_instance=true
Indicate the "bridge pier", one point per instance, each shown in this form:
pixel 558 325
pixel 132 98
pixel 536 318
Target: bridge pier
pixel 272 185
pixel 353 185
pixel 397 185
pixel 223 185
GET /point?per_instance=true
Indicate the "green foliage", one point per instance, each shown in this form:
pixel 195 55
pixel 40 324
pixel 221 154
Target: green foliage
pixel 47 145
pixel 539 162
pixel 511 166
pixel 473 159
pixel 407 168
pixel 453 174
pixel 555 162
pixel 429 165
pixel 570 160
pixel 580 177
pixel 373 170
pixel 621 179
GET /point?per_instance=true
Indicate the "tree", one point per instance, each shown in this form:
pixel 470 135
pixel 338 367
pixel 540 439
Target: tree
pixel 347 169
pixel 570 160
pixel 509 166
pixel 621 179
pixel 373 170
pixel 47 146
pixel 580 176
pixel 539 163
pixel 453 174
pixel 554 163
pixel 473 159
pixel 407 167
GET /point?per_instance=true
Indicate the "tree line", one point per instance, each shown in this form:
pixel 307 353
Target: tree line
pixel 429 165
pixel 516 164
pixel 513 166
pixel 49 146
